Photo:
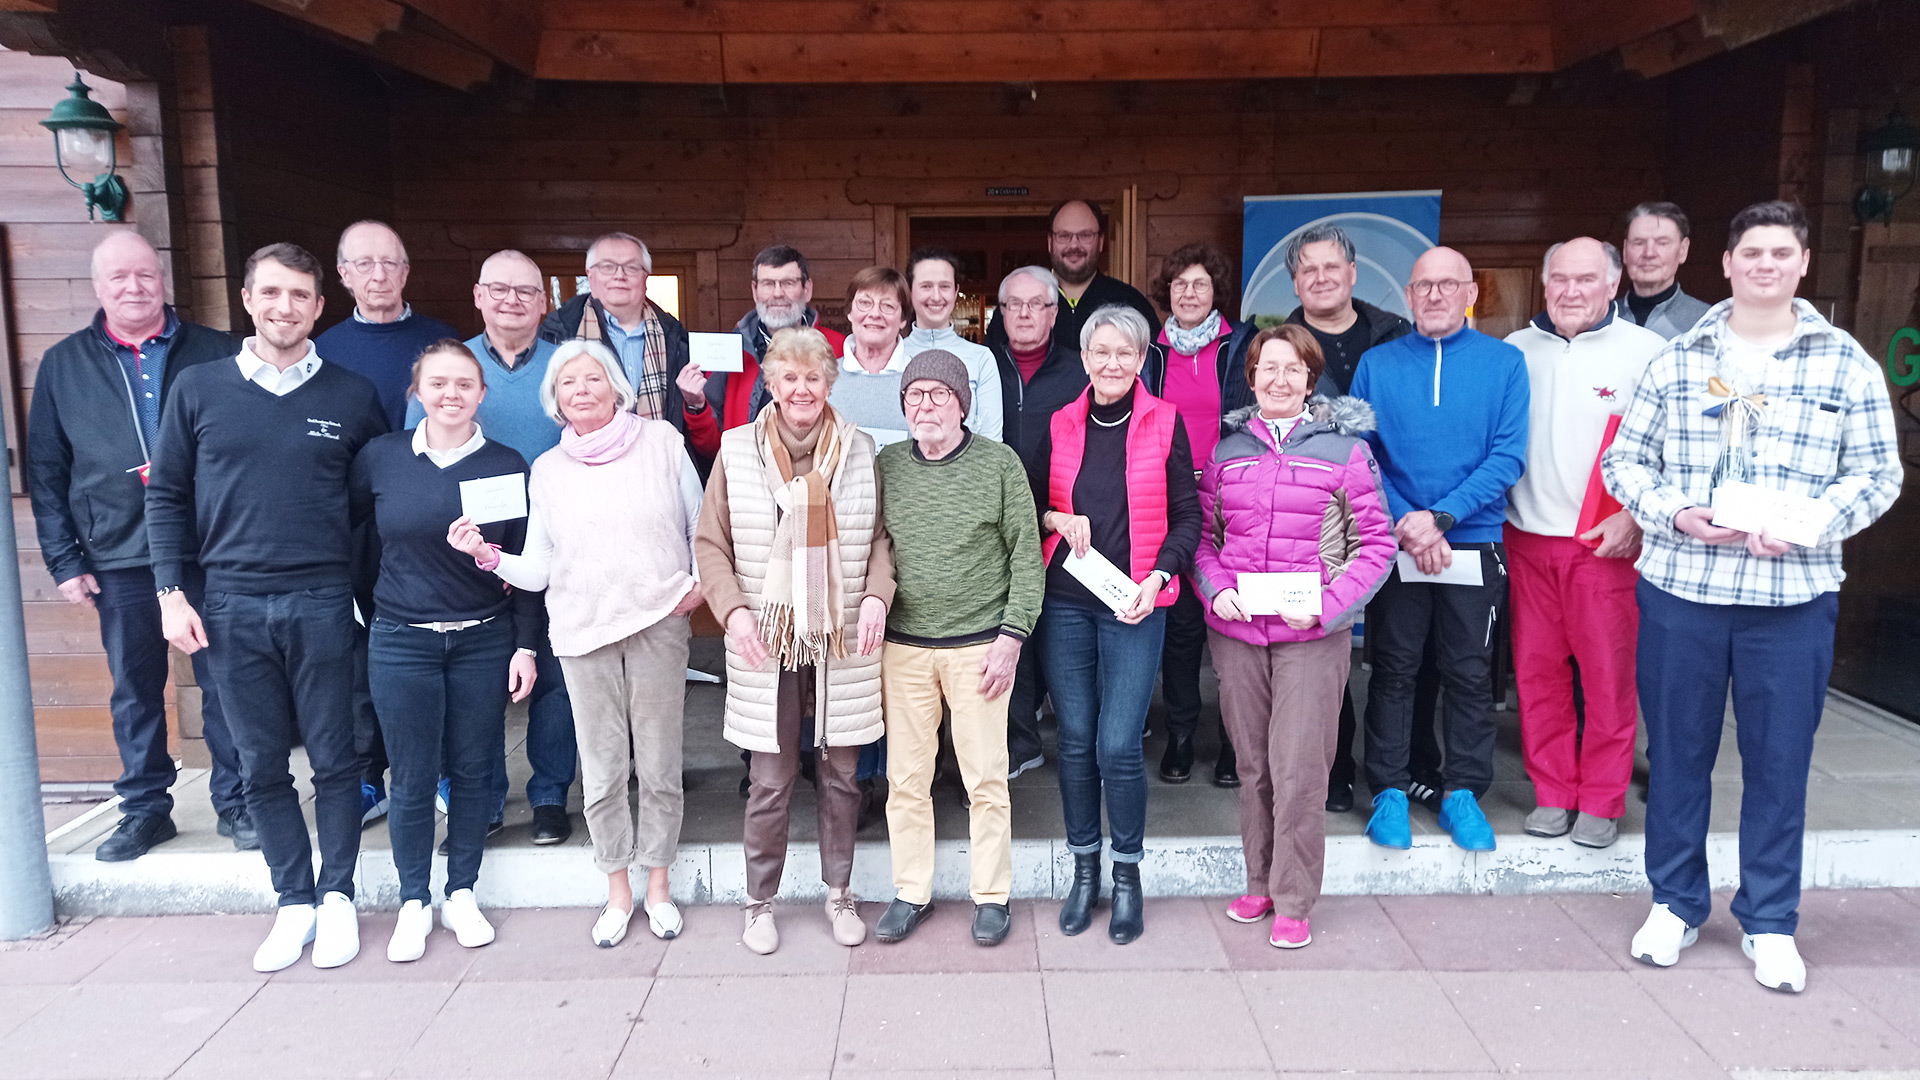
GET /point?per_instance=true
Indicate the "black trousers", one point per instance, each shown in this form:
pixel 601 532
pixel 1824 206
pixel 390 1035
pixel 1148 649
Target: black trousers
pixel 1423 756
pixel 369 742
pixel 1460 621
pixel 1023 704
pixel 1180 658
pixel 284 665
pixel 137 657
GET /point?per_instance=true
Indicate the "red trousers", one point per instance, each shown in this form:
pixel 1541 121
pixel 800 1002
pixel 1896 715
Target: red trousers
pixel 1570 604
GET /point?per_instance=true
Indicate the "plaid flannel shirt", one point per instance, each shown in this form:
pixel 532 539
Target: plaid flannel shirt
pixel 1826 432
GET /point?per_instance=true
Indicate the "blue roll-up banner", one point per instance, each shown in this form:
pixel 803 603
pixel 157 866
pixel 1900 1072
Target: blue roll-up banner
pixel 1389 230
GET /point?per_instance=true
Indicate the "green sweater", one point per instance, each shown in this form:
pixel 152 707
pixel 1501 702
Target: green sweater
pixel 966 547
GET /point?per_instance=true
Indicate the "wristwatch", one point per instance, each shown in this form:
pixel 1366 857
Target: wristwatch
pixel 1442 520
pixel 166 592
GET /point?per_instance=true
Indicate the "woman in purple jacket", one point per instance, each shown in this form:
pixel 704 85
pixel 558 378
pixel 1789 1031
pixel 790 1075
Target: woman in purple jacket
pixel 1295 539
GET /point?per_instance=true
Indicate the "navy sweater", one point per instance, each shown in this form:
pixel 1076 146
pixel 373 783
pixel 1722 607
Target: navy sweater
pixel 384 353
pixel 422 577
pixel 258 483
pixel 1452 432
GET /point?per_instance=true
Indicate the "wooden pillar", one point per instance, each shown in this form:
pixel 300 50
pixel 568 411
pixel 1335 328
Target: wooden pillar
pixel 210 238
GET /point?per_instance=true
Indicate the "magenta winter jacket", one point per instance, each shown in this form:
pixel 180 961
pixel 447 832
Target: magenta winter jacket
pixel 1314 503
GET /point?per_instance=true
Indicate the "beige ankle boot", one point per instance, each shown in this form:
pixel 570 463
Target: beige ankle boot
pixel 844 916
pixel 760 934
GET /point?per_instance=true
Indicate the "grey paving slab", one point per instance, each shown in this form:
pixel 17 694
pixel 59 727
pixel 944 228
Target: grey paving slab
pixel 20 1001
pixel 1179 935
pixel 1893 995
pixel 710 945
pixel 518 1030
pixel 746 1025
pixel 153 1033
pixel 67 954
pixel 945 943
pixel 973 1020
pixel 1500 933
pixel 1587 1021
pixel 1350 933
pixel 1743 1024
pixel 1858 928
pixel 1339 1020
pixel 1151 1021
pixel 549 944
pixel 297 1030
pixel 187 949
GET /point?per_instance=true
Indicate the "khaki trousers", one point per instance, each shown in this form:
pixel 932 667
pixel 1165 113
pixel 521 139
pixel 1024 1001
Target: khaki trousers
pixel 770 793
pixel 913 681
pixel 629 705
pixel 1281 707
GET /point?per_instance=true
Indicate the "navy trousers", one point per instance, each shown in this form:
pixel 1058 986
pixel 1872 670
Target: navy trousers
pixel 1777 660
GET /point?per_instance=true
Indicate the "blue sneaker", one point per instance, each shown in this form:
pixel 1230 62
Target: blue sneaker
pixel 1389 826
pixel 440 796
pixel 1460 815
pixel 373 803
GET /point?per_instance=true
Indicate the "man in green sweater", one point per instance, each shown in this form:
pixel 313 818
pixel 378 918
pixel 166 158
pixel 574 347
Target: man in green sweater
pixel 969 580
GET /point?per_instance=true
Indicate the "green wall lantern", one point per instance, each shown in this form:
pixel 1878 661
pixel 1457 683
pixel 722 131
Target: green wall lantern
pixel 83 142
pixel 1889 150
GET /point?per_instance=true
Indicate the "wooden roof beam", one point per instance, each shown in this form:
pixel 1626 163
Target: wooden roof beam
pixel 380 29
pixel 507 30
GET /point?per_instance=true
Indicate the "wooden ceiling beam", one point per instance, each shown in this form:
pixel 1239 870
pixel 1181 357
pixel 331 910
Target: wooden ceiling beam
pixel 1592 27
pixel 508 30
pixel 1719 26
pixel 356 20
pixel 379 28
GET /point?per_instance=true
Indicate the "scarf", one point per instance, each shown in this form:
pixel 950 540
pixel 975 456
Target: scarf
pixel 603 444
pixel 1190 342
pixel 800 619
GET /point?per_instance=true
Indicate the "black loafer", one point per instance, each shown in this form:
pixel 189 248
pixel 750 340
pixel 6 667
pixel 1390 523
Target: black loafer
pixel 446 842
pixel 991 923
pixel 1176 765
pixel 1226 772
pixel 1339 798
pixel 901 919
pixel 136 834
pixel 236 826
pixel 551 825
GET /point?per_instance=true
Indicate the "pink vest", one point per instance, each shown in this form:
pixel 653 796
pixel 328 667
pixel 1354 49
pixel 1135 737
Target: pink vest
pixel 1149 441
pixel 1192 385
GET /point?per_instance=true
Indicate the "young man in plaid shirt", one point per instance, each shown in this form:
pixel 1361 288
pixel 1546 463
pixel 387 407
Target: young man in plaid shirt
pixel 1810 416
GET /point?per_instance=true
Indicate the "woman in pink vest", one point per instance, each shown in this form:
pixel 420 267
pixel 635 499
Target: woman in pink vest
pixel 1119 490
pixel 1291 490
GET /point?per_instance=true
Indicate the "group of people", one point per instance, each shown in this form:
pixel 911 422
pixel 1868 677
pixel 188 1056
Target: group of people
pixel 371 541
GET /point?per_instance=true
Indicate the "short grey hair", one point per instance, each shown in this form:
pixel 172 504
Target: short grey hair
pixel 1317 234
pixel 1122 318
pixel 646 253
pixel 1047 279
pixel 1614 266
pixel 340 246
pixel 623 395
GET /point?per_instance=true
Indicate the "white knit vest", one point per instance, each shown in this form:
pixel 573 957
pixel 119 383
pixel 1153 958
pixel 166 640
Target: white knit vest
pixel 850 715
pixel 620 555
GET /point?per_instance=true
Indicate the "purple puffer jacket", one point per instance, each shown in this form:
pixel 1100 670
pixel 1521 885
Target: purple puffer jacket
pixel 1314 503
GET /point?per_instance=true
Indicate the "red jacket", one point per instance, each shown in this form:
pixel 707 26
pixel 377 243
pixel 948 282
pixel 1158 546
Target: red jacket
pixel 736 402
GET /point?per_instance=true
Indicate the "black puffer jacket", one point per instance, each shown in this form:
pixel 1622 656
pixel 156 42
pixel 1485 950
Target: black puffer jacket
pixel 563 325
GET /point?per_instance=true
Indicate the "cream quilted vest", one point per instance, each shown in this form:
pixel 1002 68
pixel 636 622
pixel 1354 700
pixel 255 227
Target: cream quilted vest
pixel 850 715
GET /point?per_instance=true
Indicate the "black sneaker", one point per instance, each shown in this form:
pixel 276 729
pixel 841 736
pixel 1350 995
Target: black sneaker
pixel 492 828
pixel 551 825
pixel 1426 796
pixel 901 919
pixel 236 826
pixel 135 836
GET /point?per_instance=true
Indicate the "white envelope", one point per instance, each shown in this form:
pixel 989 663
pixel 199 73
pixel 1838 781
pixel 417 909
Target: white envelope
pixel 494 498
pixel 1796 519
pixel 1464 571
pixel 1103 579
pixel 716 352
pixel 1293 592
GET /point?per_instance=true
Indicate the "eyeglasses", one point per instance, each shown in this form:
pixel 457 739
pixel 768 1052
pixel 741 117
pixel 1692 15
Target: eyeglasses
pixel 790 284
pixel 367 266
pixel 1291 371
pixel 526 294
pixel 1103 355
pixel 867 305
pixel 1086 237
pixel 938 396
pixel 1445 287
pixel 1196 285
pixel 618 270
pixel 1022 307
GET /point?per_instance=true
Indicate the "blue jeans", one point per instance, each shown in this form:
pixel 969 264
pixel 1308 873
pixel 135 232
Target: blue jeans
pixel 137 657
pixel 442 700
pixel 284 665
pixel 1777 660
pixel 1100 672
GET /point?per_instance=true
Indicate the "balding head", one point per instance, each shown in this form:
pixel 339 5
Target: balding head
pixel 1439 292
pixel 130 285
pixel 372 263
pixel 1581 276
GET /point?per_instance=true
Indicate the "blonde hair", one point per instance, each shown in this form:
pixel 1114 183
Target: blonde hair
pixel 623 395
pixel 799 345
pixel 450 347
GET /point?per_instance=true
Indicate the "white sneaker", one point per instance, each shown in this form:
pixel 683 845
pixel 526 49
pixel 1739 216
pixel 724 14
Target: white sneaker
pixel 664 920
pixel 1776 961
pixel 292 929
pixel 461 914
pixel 336 937
pixel 410 930
pixel 611 927
pixel 1662 936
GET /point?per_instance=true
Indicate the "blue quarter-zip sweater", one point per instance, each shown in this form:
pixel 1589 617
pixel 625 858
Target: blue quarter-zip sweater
pixel 1452 432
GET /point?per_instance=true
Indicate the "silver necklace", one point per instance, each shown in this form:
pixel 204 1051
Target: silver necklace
pixel 1111 423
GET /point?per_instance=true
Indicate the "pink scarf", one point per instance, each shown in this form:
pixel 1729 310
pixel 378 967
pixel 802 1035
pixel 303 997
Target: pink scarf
pixel 603 444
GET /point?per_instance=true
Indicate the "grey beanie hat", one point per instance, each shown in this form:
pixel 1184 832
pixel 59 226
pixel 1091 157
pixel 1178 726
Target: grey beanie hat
pixel 944 368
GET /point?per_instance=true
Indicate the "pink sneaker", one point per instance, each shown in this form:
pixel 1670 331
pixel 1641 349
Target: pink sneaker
pixel 1290 933
pixel 1249 909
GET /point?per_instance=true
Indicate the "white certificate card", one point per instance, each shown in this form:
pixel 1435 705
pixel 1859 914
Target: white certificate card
pixel 1105 580
pixel 1464 571
pixel 1751 508
pixel 1287 593
pixel 494 498
pixel 716 352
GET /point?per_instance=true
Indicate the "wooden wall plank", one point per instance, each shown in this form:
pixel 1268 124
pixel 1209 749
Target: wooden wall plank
pixel 997 57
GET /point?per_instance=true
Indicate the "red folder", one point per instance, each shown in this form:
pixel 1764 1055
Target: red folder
pixel 1598 506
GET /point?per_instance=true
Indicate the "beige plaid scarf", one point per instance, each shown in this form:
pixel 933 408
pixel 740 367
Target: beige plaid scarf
pixel 801 618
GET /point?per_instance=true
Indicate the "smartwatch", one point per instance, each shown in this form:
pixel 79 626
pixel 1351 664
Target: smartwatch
pixel 1442 520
